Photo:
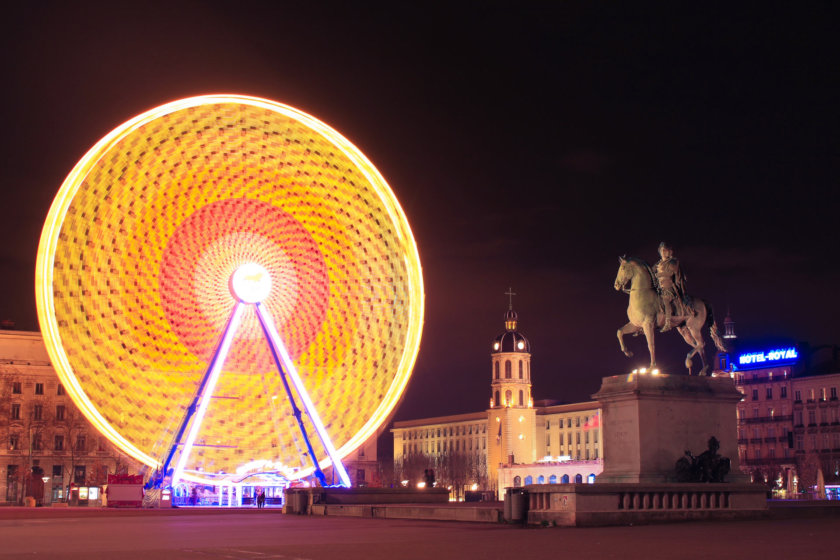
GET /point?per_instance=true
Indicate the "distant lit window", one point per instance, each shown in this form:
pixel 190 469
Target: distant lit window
pixel 15 411
pixel 59 443
pixel 59 412
pixel 16 388
pixel 39 388
pixel 38 412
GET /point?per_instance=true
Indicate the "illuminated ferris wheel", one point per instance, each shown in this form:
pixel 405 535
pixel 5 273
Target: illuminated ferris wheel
pixel 226 281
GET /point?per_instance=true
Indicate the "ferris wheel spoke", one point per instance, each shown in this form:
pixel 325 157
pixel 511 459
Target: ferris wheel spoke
pixel 285 365
pixel 204 394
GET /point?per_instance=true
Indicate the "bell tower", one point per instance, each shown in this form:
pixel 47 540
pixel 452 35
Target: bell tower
pixel 511 426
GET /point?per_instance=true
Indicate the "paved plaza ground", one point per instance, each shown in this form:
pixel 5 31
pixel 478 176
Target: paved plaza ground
pixel 263 534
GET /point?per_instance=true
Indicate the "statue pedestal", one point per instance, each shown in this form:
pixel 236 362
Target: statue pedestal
pixel 649 421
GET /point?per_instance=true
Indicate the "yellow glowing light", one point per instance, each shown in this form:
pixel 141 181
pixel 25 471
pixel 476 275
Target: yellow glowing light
pixel 643 370
pixel 521 436
pixel 301 202
pixel 495 346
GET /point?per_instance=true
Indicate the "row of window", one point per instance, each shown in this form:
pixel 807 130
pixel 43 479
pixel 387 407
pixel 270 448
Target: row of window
pixel 509 370
pixel 815 443
pixel 38 442
pixel 79 473
pixel 568 422
pixel 37 412
pixel 442 447
pixel 768 393
pixel 517 480
pixel 824 393
pixel 826 417
pixel 446 431
pixel 574 454
pixel 17 388
pixel 509 399
pixel 756 432
pixel 577 437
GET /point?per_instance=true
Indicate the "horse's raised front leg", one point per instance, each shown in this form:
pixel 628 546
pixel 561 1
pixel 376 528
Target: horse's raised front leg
pixel 649 328
pixel 626 329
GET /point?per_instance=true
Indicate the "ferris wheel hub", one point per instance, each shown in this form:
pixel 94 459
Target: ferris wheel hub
pixel 250 283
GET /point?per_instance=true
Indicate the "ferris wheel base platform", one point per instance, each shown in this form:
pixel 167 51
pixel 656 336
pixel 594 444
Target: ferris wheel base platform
pixel 301 500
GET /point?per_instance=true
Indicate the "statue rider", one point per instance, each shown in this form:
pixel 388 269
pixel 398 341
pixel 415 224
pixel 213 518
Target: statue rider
pixel 671 283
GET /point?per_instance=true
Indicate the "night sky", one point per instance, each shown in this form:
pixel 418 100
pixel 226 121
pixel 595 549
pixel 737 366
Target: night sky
pixel 529 147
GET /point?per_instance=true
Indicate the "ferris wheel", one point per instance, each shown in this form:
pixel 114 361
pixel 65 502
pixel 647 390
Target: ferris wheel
pixel 226 281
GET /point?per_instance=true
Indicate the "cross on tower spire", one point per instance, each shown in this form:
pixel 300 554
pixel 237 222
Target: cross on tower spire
pixel 510 293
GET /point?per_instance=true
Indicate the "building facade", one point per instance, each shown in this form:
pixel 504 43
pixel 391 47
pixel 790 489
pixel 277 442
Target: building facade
pixel 45 437
pixel 485 450
pixel 789 420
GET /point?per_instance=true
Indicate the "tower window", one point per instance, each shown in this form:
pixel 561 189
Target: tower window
pixel 497 370
pixel 507 369
pixel 508 398
pixel 496 401
pixel 521 398
pixel 521 372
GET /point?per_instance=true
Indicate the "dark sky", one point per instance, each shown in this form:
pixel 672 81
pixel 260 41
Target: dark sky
pixel 529 147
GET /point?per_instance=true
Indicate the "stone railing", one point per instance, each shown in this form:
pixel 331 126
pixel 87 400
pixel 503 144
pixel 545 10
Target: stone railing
pixel 605 503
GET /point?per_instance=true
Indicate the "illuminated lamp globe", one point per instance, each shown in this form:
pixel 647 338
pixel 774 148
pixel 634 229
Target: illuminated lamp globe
pixel 250 283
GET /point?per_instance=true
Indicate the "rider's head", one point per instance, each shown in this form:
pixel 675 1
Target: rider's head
pixel 665 250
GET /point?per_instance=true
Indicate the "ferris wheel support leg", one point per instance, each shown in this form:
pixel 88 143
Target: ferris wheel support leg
pixel 202 398
pixel 285 365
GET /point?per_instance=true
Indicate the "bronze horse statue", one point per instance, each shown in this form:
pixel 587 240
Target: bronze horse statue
pixel 646 312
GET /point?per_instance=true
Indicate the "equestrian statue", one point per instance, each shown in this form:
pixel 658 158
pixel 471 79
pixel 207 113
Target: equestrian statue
pixel 658 299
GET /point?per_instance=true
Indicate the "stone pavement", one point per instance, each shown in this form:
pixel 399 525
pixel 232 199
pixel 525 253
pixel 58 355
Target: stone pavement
pixel 263 534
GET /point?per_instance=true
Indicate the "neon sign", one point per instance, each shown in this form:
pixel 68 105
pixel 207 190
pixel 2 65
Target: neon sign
pixel 775 357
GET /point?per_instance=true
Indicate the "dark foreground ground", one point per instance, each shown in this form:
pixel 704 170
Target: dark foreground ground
pixel 263 534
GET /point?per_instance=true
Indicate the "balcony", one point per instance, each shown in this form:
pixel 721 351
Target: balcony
pixel 763 419
pixel 769 461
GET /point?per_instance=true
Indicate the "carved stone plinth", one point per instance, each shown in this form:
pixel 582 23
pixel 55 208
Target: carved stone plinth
pixel 649 421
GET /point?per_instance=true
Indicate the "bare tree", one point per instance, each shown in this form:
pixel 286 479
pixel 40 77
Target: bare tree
pixel 412 467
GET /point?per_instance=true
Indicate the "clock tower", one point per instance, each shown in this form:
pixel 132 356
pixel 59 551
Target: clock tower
pixel 511 422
